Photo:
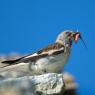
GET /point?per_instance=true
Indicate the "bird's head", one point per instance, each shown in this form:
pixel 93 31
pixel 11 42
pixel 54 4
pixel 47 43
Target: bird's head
pixel 67 37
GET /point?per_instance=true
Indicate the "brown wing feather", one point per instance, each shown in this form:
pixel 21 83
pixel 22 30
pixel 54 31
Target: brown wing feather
pixel 50 47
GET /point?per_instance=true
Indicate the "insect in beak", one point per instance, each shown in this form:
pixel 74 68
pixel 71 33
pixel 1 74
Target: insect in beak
pixel 77 36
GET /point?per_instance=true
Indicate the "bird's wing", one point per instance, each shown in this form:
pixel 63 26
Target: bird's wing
pixel 50 50
pixel 53 47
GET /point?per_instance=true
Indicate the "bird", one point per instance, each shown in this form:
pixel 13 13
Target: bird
pixel 50 59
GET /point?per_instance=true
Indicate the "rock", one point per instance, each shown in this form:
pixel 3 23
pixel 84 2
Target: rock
pixel 46 84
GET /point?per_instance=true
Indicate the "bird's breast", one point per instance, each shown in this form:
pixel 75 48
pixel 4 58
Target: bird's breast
pixel 51 64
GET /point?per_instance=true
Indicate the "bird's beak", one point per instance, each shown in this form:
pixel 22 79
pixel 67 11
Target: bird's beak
pixel 77 35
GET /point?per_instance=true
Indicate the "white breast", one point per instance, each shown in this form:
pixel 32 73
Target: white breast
pixel 53 64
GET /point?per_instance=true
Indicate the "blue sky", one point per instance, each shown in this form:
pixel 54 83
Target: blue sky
pixel 28 25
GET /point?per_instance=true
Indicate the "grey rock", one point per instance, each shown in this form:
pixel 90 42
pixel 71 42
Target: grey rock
pixel 46 84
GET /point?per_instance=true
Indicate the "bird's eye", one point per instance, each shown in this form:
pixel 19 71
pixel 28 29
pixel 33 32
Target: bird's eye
pixel 67 32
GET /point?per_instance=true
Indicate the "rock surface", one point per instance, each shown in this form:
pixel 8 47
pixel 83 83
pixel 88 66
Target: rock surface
pixel 46 84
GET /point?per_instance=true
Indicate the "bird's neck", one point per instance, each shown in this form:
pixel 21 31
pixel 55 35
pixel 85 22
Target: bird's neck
pixel 66 43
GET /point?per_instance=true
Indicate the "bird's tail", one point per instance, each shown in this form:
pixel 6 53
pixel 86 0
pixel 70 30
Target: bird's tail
pixel 10 62
pixel 7 63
